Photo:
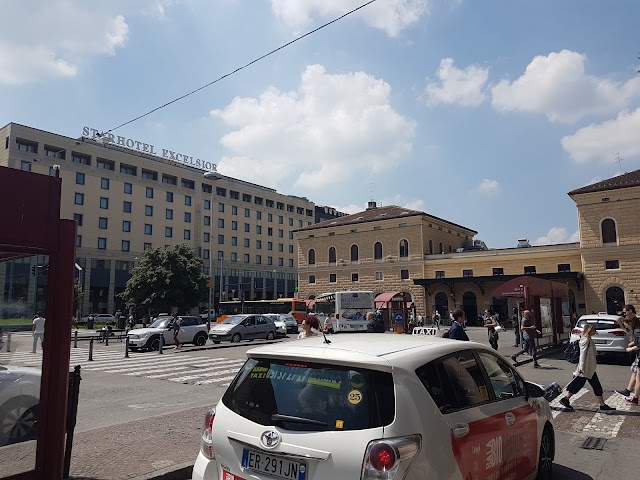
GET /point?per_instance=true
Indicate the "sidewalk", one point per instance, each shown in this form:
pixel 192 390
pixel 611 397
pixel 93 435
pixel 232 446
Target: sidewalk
pixel 163 447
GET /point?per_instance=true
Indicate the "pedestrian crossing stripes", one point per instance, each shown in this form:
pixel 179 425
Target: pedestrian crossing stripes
pixel 180 368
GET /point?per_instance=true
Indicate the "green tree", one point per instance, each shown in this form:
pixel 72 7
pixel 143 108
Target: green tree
pixel 166 278
pixel 78 296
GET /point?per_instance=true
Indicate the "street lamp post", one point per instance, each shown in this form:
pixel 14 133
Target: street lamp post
pixel 211 176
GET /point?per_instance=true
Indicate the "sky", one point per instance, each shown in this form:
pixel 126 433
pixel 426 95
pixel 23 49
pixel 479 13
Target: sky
pixel 482 112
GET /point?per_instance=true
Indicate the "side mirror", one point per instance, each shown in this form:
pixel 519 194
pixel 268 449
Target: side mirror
pixel 533 390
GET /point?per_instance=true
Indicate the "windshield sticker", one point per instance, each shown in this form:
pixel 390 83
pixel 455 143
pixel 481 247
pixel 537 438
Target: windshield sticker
pixel 355 397
pixel 314 377
pixel 339 423
pixel 357 381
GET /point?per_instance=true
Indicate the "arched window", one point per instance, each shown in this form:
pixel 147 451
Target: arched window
pixel 354 253
pixel 441 248
pixel 404 248
pixel 430 247
pixel 377 251
pixel 332 254
pixel 312 257
pixel 608 229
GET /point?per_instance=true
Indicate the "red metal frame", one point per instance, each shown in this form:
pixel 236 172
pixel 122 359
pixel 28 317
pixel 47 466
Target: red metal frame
pixel 31 225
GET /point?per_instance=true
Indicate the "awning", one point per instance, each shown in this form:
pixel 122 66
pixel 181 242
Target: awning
pixel 536 287
pixel 386 297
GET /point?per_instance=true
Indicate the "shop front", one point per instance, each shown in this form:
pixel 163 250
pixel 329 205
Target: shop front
pixel 397 310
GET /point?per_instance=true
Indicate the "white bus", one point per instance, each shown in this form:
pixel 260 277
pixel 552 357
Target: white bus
pixel 349 309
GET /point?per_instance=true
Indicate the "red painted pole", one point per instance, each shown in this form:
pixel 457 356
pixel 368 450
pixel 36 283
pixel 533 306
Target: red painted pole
pixel 56 356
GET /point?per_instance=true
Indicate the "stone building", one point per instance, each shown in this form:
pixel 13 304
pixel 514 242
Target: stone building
pixel 433 262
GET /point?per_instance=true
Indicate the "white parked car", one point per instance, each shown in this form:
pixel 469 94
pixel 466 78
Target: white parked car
pixel 377 407
pixel 611 336
pixel 19 399
pixel 205 315
pixel 195 331
pixel 281 326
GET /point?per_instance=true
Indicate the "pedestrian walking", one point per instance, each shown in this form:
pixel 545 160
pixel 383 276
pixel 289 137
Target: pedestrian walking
pixel 177 328
pixel 37 330
pixel 457 327
pixel 586 372
pixel 632 324
pixel 490 322
pixel 528 329
pixel 328 323
pixel 436 320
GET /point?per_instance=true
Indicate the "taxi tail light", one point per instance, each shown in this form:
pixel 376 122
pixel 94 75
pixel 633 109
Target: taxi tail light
pixel 577 331
pixel 206 440
pixel 618 333
pixel 390 458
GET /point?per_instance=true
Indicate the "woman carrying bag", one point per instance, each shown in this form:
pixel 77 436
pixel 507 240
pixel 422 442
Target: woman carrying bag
pixel 586 371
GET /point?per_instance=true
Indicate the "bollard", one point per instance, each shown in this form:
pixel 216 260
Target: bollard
pixel 106 338
pixel 126 347
pixel 161 346
pixel 8 341
pixel 75 339
pixel 91 350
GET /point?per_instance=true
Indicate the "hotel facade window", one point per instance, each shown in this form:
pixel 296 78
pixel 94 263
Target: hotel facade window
pixel 311 256
pixel 126 207
pixel 354 253
pixel 25 146
pixel 104 203
pixel 102 243
pixel 102 223
pixel 333 278
pixel 104 183
pixel 78 218
pixel 148 229
pixel 79 178
pixel 128 169
pixel 169 214
pixel 498 271
pixel 125 245
pixel 377 251
pixel 148 210
pixel 530 270
pixel 149 192
pixel 187 200
pixel 79 199
pixel 128 188
pixel 80 159
pixel 105 164
pixel 126 226
pixel 187 234
pixel 26 166
pixel 168 232
pixel 332 254
pixel 404 274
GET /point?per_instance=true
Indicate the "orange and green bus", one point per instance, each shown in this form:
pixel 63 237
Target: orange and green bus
pixel 295 307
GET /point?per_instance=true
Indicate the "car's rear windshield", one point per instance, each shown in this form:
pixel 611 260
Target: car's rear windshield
pixel 311 397
pixel 599 324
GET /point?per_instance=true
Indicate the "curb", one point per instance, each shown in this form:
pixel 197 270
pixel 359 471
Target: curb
pixel 175 472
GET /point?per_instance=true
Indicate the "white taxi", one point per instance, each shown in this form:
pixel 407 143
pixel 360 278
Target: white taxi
pixel 377 407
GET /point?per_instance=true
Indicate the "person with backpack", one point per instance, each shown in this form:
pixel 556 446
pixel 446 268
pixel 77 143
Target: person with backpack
pixel 586 372
pixel 490 322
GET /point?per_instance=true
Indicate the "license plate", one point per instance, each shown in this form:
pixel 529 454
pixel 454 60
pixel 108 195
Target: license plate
pixel 276 466
pixel 600 342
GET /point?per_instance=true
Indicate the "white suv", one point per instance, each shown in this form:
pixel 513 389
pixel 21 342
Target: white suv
pixel 193 331
pixel 377 407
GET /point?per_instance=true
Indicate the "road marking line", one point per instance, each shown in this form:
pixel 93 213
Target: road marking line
pixel 205 374
pixel 556 401
pixel 180 367
pixel 208 382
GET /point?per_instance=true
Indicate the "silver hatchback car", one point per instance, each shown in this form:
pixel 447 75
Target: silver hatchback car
pixel 243 327
pixel 611 336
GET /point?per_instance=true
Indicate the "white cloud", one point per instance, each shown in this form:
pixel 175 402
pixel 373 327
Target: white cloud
pixel 488 187
pixel 391 16
pixel 57 38
pixel 558 235
pixel 462 87
pixel 330 133
pixel 602 142
pixel 350 209
pixel 558 87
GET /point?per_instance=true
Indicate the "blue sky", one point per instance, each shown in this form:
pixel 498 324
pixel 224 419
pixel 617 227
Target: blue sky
pixel 485 113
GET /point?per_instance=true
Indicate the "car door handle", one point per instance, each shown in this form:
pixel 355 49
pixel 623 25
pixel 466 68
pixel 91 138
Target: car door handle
pixel 460 430
pixel 510 418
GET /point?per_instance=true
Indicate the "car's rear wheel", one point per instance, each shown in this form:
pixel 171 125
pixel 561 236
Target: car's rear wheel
pixel 545 459
pixel 270 336
pixel 200 340
pixel 18 420
pixel 236 338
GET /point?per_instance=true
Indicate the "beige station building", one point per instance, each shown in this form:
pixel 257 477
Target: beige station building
pixel 433 264
pixel 127 196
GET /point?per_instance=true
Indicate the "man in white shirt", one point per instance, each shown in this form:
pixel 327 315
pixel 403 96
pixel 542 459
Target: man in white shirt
pixel 38 332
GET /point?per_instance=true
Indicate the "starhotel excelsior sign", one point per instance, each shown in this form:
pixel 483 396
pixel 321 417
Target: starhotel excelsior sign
pixel 148 148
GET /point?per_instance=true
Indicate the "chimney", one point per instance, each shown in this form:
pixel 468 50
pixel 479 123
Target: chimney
pixel 371 204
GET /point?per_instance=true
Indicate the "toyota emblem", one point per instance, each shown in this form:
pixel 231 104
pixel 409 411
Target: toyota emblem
pixel 270 439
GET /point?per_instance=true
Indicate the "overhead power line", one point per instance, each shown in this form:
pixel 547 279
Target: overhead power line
pixel 239 68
